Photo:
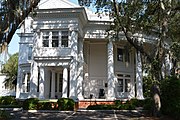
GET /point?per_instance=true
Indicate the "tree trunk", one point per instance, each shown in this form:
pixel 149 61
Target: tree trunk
pixel 156 101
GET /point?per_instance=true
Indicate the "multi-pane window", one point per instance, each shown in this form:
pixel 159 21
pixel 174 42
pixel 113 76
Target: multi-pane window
pixel 123 84
pixel 45 38
pixel 64 38
pixel 55 39
pixel 123 55
pixel 26 82
pixel 30 53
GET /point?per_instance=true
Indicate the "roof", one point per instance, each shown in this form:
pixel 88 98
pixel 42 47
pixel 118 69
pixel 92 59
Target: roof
pixel 54 4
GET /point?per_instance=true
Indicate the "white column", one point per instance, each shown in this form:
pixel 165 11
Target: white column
pixel 25 83
pixel 73 65
pixel 34 80
pixel 110 71
pixel 41 83
pixel 139 78
pixel 65 80
pixel 58 85
pixel 19 83
pixel 53 85
pixel 80 70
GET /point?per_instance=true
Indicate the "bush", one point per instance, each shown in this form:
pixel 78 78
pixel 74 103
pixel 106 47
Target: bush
pixel 128 105
pixel 4 115
pixel 30 104
pixel 66 104
pixel 170 96
pixel 8 100
pixel 47 105
pixel 101 107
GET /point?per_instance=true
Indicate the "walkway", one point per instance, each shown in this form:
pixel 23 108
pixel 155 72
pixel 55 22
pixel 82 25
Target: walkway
pixel 80 115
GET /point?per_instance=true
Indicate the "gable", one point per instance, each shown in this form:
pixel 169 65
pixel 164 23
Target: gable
pixel 53 4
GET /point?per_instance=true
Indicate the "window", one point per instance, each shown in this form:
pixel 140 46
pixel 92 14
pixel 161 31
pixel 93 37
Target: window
pixel 120 54
pixel 52 39
pixel 123 84
pixel 55 39
pixel 123 55
pixel 56 82
pixel 26 82
pixel 30 53
pixel 64 38
pixel 60 82
pixel 45 38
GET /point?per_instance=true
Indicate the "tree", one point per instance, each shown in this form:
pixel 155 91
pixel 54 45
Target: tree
pixel 13 13
pixel 158 18
pixel 10 69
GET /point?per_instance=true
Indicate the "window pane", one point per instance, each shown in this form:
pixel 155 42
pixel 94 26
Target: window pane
pixel 45 43
pixel 127 85
pixel 119 54
pixel 64 39
pixel 55 39
pixel 120 85
pixel 55 43
pixel 45 39
pixel 60 82
pixel 30 53
pixel 28 82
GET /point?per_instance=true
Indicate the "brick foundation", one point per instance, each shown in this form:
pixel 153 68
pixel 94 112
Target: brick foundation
pixel 86 103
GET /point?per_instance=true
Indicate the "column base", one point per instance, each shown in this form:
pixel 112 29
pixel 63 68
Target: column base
pixel 80 98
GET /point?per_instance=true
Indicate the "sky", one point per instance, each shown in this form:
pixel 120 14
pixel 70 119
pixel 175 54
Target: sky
pixel 14 44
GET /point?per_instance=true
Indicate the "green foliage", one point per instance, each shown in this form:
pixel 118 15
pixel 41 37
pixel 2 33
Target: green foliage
pixel 8 100
pixel 101 107
pixel 4 115
pixel 170 96
pixel 12 13
pixel 66 104
pixel 30 104
pixel 128 105
pixel 147 86
pixel 47 105
pixel 11 69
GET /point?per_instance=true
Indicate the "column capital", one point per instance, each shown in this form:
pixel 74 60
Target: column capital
pixel 72 28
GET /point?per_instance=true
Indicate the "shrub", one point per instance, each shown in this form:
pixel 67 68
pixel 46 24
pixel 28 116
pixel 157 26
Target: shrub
pixel 66 104
pixel 101 107
pixel 4 115
pixel 47 105
pixel 8 100
pixel 170 96
pixel 30 104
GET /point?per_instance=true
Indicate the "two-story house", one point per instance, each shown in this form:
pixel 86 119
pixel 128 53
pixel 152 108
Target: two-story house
pixel 64 51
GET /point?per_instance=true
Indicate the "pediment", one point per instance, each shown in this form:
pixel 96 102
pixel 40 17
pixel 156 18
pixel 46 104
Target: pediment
pixel 53 4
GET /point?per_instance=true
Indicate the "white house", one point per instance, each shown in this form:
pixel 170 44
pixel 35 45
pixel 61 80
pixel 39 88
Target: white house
pixel 64 52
